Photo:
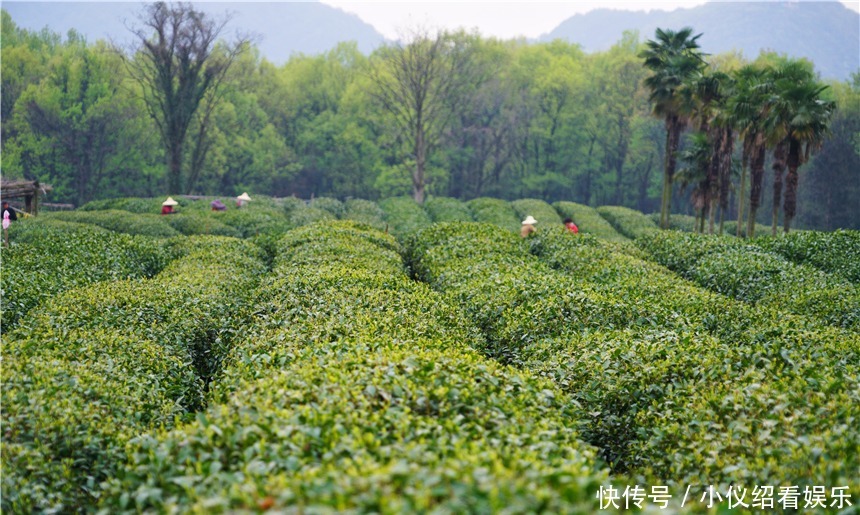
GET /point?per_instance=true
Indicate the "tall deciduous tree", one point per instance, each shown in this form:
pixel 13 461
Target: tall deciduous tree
pixel 417 81
pixel 177 65
pixel 673 57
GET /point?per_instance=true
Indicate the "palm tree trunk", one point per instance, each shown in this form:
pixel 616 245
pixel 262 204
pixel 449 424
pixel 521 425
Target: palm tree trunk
pixel 778 168
pixel 741 201
pixel 791 179
pixel 756 177
pixel 673 137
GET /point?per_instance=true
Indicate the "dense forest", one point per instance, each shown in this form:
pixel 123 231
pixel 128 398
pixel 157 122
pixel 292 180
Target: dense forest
pixel 506 119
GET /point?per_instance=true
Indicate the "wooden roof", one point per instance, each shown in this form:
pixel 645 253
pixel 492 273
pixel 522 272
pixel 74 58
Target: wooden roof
pixel 22 188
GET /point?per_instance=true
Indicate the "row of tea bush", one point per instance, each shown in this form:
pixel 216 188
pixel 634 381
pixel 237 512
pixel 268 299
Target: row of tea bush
pixel 673 383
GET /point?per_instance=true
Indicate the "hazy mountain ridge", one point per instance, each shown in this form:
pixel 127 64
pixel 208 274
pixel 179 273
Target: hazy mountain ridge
pixel 827 33
pixel 282 28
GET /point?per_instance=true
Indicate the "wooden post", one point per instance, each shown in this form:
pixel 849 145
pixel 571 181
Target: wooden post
pixel 36 190
pixel 28 203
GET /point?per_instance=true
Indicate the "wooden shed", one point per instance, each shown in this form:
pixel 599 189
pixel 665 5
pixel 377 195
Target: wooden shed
pixel 30 191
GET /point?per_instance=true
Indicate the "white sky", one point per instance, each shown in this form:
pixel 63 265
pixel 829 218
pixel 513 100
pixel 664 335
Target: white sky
pixel 503 19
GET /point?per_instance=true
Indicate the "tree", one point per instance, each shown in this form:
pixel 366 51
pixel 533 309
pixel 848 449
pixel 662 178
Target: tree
pixel 417 82
pixel 673 58
pixel 799 120
pixel 179 70
pixel 76 128
pixel 747 110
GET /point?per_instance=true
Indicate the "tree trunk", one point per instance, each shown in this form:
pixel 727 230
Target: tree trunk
pixel 756 177
pixel 418 178
pixel 673 136
pixel 174 168
pixel 778 168
pixel 741 201
pixel 791 179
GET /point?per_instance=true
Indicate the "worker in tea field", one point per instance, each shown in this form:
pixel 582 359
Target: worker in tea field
pixel 242 199
pixel 571 226
pixel 528 227
pixel 8 217
pixel 167 206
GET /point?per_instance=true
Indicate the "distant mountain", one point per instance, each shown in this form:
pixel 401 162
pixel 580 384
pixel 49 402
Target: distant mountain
pixel 827 33
pixel 283 28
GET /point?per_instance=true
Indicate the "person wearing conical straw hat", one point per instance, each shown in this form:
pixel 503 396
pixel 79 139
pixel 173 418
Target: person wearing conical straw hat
pixel 528 227
pixel 167 206
pixel 241 199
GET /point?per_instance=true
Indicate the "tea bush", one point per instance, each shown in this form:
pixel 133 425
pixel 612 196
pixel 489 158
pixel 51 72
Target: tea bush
pixel 130 204
pixel 642 353
pixel 308 215
pixel 288 204
pixel 255 219
pixel 366 381
pixel 747 272
pixel 96 365
pixel 192 222
pixel 730 227
pixel 628 222
pixel 588 220
pixel 365 211
pixel 677 222
pixel 391 430
pixel 332 205
pixel 153 225
pixel 70 404
pixel 836 252
pixel 545 214
pixel 403 215
pixel 447 209
pixel 50 256
pixel 495 211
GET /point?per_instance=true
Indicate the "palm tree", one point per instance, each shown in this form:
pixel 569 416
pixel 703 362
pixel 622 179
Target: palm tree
pixel 674 58
pixel 799 122
pixel 707 93
pixel 746 111
pixel 697 156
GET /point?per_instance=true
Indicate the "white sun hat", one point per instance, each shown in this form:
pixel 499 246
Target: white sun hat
pixel 244 196
pixel 170 202
pixel 529 220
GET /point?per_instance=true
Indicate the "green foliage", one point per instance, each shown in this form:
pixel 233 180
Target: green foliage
pixel 407 407
pixel 685 223
pixel 403 215
pixel 749 273
pixel 835 252
pixel 96 365
pixel 447 209
pixel 628 222
pixel 308 215
pixel 401 423
pixel 365 211
pixel 662 371
pixel 193 222
pixel 545 214
pixel 119 221
pixel 50 256
pixel 256 218
pixel 291 203
pixel 588 220
pixel 70 404
pixel 130 204
pixel 332 205
pixel 495 211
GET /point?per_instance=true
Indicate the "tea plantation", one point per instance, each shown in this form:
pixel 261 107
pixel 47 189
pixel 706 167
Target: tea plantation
pixel 387 357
